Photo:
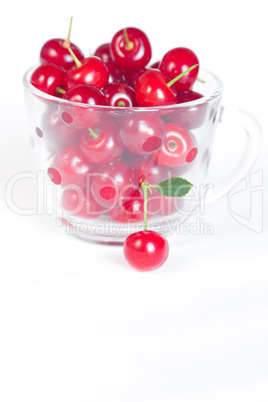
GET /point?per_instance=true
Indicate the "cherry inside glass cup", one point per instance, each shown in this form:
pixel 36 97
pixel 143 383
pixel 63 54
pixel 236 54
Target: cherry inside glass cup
pixel 91 159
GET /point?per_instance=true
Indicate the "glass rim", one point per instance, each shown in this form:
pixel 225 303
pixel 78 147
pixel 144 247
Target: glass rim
pixel 205 98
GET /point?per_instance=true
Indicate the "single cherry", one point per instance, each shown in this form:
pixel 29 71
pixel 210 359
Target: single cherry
pixel 142 133
pixel 119 94
pixel 80 202
pixel 100 143
pixel 131 49
pixel 80 116
pixel 48 78
pixel 103 52
pixel 188 96
pixel 70 166
pixel 85 93
pixel 156 89
pixel 179 147
pixel 56 134
pixel 146 250
pixel 115 74
pixel 152 89
pixel 131 77
pixel 191 116
pixel 175 62
pixel 91 70
pixel 109 182
pixel 56 51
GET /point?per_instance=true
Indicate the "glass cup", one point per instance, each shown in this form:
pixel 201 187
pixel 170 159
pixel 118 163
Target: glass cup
pixel 90 160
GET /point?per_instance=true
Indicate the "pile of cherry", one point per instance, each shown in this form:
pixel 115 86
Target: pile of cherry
pixel 113 155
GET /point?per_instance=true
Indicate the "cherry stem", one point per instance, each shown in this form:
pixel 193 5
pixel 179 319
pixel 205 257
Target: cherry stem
pixel 181 75
pixel 200 80
pixel 121 103
pixel 148 185
pixel 129 44
pixel 77 62
pixel 172 145
pixel 67 42
pixel 144 187
pixel 60 90
pixel 94 135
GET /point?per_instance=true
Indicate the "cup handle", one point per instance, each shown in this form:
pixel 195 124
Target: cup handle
pixel 253 133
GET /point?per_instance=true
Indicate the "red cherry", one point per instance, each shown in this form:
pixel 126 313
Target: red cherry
pixel 80 202
pixel 148 169
pixel 89 94
pixel 178 149
pixel 114 73
pixel 175 62
pixel 48 77
pixel 188 96
pixel 119 94
pixel 70 166
pixel 109 182
pixel 146 250
pixel 53 51
pixel 103 52
pixel 56 51
pixel 155 65
pixel 152 89
pixel 131 49
pixel 130 208
pixel 81 116
pixel 191 116
pixel 131 77
pixel 56 134
pixel 142 134
pixel 132 159
pixel 101 144
pixel 92 70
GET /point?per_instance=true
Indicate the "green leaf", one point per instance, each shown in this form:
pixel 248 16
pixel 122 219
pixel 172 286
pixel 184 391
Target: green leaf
pixel 174 187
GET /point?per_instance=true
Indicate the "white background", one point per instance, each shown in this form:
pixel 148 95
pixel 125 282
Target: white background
pixel 76 323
